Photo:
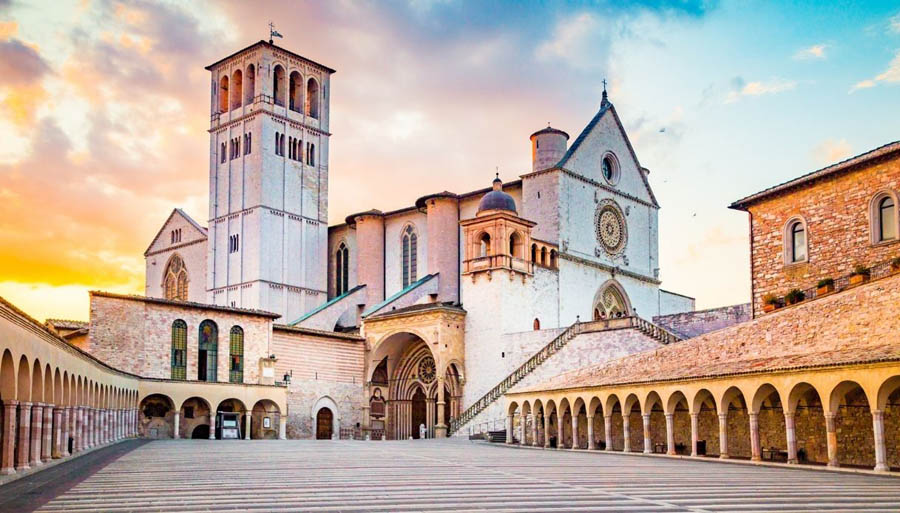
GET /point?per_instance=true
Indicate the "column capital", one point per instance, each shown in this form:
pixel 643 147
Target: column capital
pixel 670 415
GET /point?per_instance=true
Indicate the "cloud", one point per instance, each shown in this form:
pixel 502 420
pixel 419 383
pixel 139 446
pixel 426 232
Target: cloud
pixel 894 24
pixel 20 65
pixel 741 88
pixel 578 40
pixel 831 151
pixel 891 75
pixel 812 52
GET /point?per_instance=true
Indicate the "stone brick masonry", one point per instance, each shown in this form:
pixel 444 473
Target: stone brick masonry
pixel 837 214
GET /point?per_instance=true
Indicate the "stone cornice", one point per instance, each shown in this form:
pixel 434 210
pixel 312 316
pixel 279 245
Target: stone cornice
pixel 248 210
pixel 609 268
pixel 306 289
pixel 177 246
pixel 231 122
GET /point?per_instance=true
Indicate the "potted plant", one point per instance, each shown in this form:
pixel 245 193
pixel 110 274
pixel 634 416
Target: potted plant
pixel 825 286
pixel 794 296
pixel 770 302
pixel 860 275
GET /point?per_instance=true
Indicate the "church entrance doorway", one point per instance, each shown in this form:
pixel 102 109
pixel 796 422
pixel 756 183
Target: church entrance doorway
pixel 200 432
pixel 418 412
pixel 324 420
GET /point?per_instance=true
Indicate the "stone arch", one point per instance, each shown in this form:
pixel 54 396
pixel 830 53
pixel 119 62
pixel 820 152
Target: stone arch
pixel 564 417
pixel 49 396
pixel 888 402
pixel 656 429
pixel 278 86
pixel 768 408
pixel 678 407
pixel 195 418
pixel 703 405
pixel 551 431
pixel 312 98
pixel 616 438
pixel 610 301
pixel 23 389
pixel 223 94
pixel 580 420
pixel 295 90
pixel 7 377
pixel 516 245
pixel 63 388
pixel 157 416
pixel 250 86
pixel 237 88
pixel 596 413
pixel 850 405
pixel 633 423
pixel 883 198
pixel 737 419
pixel 265 420
pixel 175 278
pixel 537 419
pixel 326 402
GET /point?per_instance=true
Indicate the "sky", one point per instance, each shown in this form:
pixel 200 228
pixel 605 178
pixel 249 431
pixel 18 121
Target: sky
pixel 104 109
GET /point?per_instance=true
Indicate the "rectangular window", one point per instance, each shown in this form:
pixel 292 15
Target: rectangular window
pixel 179 350
pixel 277 144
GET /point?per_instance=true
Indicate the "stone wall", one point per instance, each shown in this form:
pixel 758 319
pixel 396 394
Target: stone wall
pixel 324 368
pixel 836 211
pixel 135 335
pixel 692 324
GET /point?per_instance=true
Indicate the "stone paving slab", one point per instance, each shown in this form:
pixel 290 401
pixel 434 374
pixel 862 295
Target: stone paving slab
pixel 448 475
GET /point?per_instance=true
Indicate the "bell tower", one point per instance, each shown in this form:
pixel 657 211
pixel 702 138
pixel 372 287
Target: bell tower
pixel 268 181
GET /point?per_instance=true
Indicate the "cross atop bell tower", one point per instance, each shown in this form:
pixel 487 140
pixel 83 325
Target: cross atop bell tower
pixel 268 180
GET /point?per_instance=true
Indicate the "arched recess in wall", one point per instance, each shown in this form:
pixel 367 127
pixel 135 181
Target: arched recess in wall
pixel 611 301
pixel 327 402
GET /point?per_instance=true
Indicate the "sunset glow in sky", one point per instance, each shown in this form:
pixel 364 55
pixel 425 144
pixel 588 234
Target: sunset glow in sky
pixel 104 107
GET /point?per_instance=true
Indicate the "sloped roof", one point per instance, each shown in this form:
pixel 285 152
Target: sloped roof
pixel 186 304
pixel 66 324
pixel 607 106
pixel 203 231
pixel 842 166
pixel 262 42
pixel 833 333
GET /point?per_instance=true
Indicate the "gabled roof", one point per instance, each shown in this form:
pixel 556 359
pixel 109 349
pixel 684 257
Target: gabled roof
pixel 270 45
pixel 409 288
pixel 607 106
pixel 842 166
pixel 182 213
pixel 185 304
pixel 325 305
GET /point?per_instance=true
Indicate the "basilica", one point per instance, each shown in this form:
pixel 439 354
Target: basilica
pixel 530 310
pixel 415 313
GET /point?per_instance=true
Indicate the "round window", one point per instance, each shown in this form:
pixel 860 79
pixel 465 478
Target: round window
pixel 610 227
pixel 609 166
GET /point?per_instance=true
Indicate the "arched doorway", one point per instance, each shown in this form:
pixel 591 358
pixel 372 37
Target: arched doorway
pixel 265 420
pixel 324 421
pixel 418 417
pixel 157 417
pixel 201 432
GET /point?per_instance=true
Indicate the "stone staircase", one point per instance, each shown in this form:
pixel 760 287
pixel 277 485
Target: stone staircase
pixel 659 334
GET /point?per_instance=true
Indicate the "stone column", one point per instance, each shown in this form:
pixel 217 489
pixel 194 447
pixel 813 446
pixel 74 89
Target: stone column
pixel 560 432
pixel 76 428
pixel 647 442
pixel 523 427
pixel 47 442
pixel 880 449
pixel 607 425
pixel 212 426
pixel 626 427
pixel 695 432
pixel 440 429
pixel 575 444
pixel 24 436
pixel 723 435
pixel 791 436
pixel 510 420
pixel 66 431
pixel 8 450
pixel 754 436
pixel 590 429
pixel 37 434
pixel 831 439
pixel 89 425
pixel 546 431
pixel 58 423
pixel 176 433
pixel 247 426
pixel 282 427
pixel 534 430
pixel 670 434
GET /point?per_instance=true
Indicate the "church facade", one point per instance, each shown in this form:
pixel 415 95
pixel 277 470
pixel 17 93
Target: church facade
pixel 445 297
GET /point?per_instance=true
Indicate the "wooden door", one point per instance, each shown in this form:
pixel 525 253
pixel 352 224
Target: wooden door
pixel 324 420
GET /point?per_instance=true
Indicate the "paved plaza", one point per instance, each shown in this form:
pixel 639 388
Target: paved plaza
pixel 201 475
